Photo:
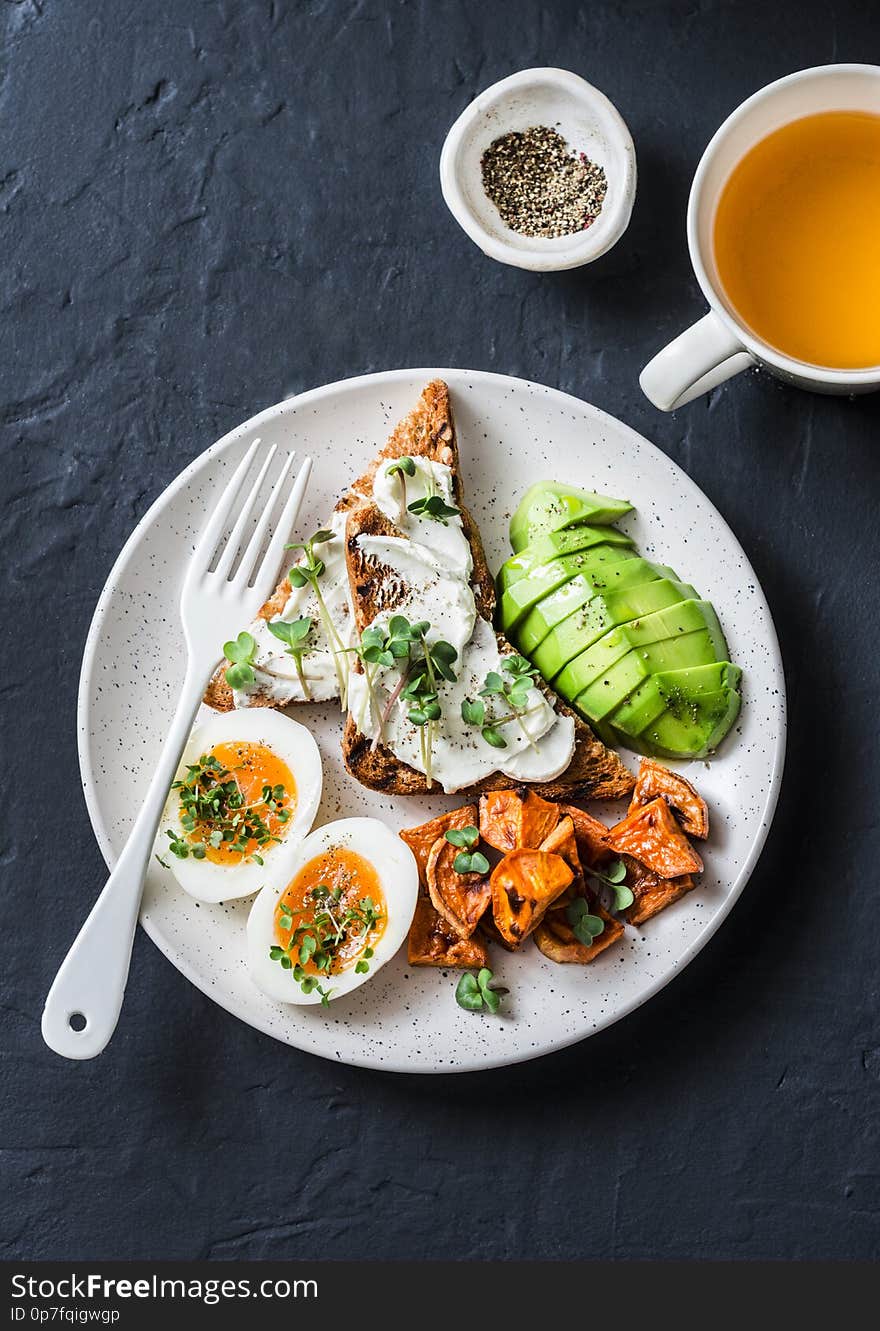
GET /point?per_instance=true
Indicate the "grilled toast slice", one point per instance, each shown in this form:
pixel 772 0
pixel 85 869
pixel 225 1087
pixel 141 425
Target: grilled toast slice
pixel 595 771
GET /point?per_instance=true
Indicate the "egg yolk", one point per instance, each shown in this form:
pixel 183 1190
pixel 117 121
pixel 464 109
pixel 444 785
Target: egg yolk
pixel 238 780
pixel 337 900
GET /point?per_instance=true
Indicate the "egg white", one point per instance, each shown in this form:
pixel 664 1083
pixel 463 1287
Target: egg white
pixel 294 745
pixel 398 875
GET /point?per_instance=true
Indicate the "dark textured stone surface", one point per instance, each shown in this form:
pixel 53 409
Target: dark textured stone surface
pixel 204 207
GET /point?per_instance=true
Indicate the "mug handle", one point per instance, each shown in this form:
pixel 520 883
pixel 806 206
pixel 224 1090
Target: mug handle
pixel 700 358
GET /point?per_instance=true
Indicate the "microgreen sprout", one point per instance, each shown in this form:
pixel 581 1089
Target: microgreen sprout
pixel 403 467
pixel 381 649
pixel 320 940
pixel 240 652
pixel 467 860
pixel 474 992
pixel 585 927
pixel 308 573
pixel 294 634
pixel 422 667
pixel 420 691
pixel 613 877
pixel 512 697
pixel 433 507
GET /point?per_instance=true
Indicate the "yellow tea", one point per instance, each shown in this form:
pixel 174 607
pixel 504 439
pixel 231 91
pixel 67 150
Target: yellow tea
pixel 797 239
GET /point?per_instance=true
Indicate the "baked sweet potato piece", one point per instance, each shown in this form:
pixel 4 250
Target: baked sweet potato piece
pixel 656 780
pixel 653 837
pixel 524 885
pixel 589 834
pixel 461 898
pixel 516 819
pixel 652 893
pixel 489 930
pixel 432 943
pixel 561 841
pixel 421 839
pixel 556 939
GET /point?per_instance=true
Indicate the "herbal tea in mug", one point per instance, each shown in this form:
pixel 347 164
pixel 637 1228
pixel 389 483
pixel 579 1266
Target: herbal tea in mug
pixel 797 239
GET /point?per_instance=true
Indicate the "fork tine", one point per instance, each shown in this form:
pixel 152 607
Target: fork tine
pixel 215 530
pixel 250 555
pixel 267 573
pixel 236 536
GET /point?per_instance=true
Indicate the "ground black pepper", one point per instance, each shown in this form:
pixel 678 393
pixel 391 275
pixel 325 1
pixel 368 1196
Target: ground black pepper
pixel 540 186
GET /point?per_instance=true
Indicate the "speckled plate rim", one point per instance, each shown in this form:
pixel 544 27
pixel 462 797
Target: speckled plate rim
pixel 308 398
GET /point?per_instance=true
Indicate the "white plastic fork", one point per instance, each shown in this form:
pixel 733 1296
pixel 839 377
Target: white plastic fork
pixel 83 1005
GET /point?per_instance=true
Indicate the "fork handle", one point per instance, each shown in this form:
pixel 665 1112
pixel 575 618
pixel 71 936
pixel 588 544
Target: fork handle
pixel 90 984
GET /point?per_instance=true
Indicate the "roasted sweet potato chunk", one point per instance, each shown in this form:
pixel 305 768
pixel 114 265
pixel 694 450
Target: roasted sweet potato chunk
pixel 489 930
pixel 555 938
pixel 652 893
pixel 524 884
pixel 561 841
pixel 500 818
pixel 653 837
pixel 431 942
pixel 590 835
pixel 421 839
pixel 461 898
pixel 656 780
pixel 513 819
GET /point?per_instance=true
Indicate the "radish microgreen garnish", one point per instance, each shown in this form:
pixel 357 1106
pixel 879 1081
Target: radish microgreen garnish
pixel 585 927
pixel 308 573
pixel 467 860
pixel 241 652
pixel 475 992
pixel 403 467
pixel 612 876
pixel 379 649
pixel 433 507
pixel 294 634
pixel 420 691
pixel 512 697
pixel 213 813
pixel 320 940
pixel 423 666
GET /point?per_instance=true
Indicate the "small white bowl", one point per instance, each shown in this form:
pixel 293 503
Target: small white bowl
pixel 586 120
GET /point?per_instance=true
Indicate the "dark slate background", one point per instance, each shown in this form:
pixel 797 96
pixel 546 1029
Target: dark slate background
pixel 205 207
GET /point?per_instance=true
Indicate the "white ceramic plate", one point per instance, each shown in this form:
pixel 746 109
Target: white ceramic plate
pixel 511 433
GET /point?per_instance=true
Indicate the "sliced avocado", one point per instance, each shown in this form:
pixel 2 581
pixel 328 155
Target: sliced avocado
pixel 519 598
pixel 689 727
pixel 548 506
pixel 572 595
pixel 649 700
pixel 605 611
pixel 551 547
pixel 571 539
pixel 638 601
pixel 677 621
pixel 608 689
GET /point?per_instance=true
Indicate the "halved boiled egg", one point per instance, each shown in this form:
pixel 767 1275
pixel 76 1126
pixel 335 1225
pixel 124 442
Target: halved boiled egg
pixel 246 793
pixel 341 913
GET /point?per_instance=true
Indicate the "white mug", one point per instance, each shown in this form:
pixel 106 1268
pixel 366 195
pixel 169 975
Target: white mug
pixel 719 345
